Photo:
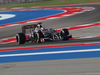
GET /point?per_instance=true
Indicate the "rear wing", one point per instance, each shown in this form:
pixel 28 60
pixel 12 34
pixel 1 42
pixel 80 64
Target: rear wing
pixel 28 27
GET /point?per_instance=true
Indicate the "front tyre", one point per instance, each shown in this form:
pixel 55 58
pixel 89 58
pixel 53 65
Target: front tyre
pixel 20 38
pixel 64 34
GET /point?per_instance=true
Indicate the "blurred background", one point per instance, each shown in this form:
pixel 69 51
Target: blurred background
pixel 3 2
pixel 32 3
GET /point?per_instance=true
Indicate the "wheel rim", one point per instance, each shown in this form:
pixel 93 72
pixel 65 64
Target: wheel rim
pixel 37 38
pixel 18 39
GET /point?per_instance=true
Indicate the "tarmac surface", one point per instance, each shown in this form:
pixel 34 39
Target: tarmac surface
pixel 87 66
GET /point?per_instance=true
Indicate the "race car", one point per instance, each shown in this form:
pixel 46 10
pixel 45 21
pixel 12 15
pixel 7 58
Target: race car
pixel 40 34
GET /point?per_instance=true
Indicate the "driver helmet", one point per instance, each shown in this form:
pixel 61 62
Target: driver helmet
pixel 39 25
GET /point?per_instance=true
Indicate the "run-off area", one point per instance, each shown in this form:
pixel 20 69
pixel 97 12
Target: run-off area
pixel 55 53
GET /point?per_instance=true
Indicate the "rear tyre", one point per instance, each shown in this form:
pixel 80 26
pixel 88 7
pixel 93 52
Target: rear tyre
pixel 64 34
pixel 20 38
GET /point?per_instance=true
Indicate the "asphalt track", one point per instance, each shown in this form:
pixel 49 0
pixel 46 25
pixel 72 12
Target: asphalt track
pixel 88 66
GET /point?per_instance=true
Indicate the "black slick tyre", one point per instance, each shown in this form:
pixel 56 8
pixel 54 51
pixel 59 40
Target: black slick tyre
pixel 63 34
pixel 20 38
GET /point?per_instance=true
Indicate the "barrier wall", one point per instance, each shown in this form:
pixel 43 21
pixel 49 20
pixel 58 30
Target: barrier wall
pixel 3 2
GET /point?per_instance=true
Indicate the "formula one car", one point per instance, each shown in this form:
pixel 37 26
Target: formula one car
pixel 40 34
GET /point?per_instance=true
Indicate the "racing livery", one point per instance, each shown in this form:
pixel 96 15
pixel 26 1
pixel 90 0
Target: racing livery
pixel 40 34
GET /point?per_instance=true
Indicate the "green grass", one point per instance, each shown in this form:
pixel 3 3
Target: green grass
pixel 47 2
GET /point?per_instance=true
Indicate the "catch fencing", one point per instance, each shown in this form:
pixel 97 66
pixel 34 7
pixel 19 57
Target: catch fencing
pixel 3 2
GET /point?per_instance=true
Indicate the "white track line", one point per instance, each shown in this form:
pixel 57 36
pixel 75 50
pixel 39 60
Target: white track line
pixel 56 52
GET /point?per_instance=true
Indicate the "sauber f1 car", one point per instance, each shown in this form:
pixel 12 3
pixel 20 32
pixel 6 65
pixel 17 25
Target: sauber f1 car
pixel 39 34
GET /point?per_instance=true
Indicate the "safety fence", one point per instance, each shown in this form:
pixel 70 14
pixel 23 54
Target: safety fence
pixel 3 2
